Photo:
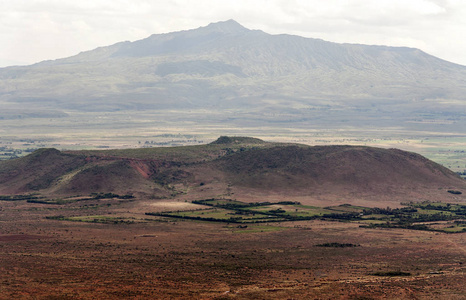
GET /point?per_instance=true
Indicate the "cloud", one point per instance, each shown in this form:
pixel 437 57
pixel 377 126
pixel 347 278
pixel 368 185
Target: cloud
pixel 35 30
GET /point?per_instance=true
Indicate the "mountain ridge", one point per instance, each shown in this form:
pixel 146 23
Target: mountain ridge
pixel 225 66
pixel 231 27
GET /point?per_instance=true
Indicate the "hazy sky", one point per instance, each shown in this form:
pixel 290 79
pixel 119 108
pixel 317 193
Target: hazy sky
pixel 36 30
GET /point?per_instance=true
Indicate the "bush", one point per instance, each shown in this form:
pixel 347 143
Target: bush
pixel 454 192
pixel 337 245
pixel 392 273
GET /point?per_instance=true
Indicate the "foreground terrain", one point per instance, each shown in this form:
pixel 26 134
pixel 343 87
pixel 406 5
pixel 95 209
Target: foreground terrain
pixel 119 252
pixel 235 219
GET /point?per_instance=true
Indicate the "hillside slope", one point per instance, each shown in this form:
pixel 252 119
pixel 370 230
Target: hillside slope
pixel 229 166
pixel 37 171
pixel 338 171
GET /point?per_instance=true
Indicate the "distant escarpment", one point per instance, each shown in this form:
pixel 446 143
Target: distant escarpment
pixel 233 167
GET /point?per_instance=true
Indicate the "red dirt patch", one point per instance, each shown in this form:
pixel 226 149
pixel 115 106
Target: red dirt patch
pixel 142 168
pixel 19 237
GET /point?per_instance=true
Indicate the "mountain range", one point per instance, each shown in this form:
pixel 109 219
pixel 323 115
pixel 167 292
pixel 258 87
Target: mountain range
pixel 227 66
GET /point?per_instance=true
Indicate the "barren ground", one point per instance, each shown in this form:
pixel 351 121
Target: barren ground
pixel 153 257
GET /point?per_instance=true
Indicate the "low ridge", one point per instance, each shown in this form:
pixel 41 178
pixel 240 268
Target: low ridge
pixel 225 140
pixel 242 166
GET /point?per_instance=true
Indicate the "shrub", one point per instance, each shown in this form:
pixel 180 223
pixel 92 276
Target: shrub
pixel 454 192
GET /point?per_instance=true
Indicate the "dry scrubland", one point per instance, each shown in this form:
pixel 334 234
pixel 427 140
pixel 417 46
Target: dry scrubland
pixel 115 251
pixel 55 244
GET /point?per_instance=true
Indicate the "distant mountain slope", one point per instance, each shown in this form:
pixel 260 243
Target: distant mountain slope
pixel 225 65
pixel 234 164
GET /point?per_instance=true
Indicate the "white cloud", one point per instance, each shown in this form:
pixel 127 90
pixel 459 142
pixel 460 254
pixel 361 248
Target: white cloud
pixel 35 30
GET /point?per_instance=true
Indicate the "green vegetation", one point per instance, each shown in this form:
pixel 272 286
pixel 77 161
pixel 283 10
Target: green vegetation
pixel 234 204
pixel 93 196
pixel 241 212
pixel 177 156
pixel 53 201
pixel 94 219
pixel 347 208
pixel 454 192
pixel 225 203
pixel 392 273
pixel 28 197
pixel 110 195
pixel 337 245
pixel 221 215
pixel 442 217
pixel 226 140
pixel 432 216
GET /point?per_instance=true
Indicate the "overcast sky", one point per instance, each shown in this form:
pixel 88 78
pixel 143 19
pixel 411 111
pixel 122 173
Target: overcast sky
pixel 36 30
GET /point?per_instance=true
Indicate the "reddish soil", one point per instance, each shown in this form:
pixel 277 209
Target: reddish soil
pixel 142 168
pixel 19 237
pixel 135 256
pixel 155 258
pixel 329 174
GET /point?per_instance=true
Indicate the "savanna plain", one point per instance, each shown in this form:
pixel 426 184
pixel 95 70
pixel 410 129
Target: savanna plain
pixel 110 246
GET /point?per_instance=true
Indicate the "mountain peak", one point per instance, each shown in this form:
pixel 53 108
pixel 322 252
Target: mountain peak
pixel 229 26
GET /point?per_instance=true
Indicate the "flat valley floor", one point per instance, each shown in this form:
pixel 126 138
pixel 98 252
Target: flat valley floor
pixel 147 257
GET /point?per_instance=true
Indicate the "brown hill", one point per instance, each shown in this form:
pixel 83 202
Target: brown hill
pixel 339 173
pixel 117 176
pixel 238 167
pixel 36 171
